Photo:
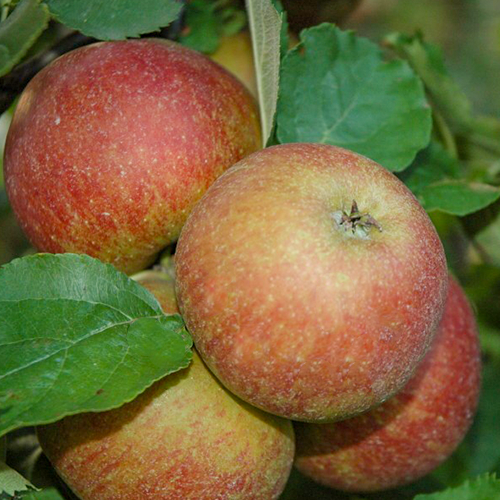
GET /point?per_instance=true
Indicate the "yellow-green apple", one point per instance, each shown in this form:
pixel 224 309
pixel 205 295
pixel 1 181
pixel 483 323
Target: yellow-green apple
pixel 186 437
pixel 235 53
pixel 311 280
pixel 112 144
pixel 412 433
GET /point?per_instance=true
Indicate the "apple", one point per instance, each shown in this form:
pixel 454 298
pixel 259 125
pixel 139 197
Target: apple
pixel 412 433
pixel 302 302
pixel 186 437
pixel 235 53
pixel 112 144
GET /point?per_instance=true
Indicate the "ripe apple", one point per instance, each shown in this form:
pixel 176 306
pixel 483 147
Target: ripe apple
pixel 303 303
pixel 412 433
pixel 112 144
pixel 186 437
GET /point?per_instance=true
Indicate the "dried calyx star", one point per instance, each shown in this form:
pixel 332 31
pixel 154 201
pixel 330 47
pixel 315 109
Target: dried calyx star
pixel 355 223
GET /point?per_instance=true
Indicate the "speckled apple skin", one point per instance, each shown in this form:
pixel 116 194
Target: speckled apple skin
pixel 293 315
pixel 415 431
pixel 186 437
pixel 112 144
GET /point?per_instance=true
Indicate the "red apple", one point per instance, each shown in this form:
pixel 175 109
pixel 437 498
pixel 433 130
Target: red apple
pixel 300 303
pixel 412 433
pixel 186 437
pixel 112 144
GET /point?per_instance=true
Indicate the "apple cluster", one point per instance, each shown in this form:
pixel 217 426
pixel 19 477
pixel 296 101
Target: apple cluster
pixel 313 283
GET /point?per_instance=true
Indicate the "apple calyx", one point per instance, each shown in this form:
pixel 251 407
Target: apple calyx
pixel 355 223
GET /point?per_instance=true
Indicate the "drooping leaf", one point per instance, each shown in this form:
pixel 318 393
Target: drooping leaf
pixel 207 21
pixel 115 19
pixel 77 335
pixel 486 487
pixel 336 89
pixel 19 31
pixel 265 27
pixel 11 482
pixel 437 181
pixel 428 62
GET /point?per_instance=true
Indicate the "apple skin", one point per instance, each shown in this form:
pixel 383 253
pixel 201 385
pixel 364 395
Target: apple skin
pixel 112 144
pixel 415 431
pixel 186 437
pixel 235 53
pixel 291 313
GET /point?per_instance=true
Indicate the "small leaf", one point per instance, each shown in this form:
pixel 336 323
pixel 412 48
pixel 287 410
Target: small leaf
pixel 428 62
pixel 207 21
pixel 265 27
pixel 436 180
pixel 458 197
pixel 19 31
pixel 11 482
pixel 486 487
pixel 77 335
pixel 115 19
pixel 336 89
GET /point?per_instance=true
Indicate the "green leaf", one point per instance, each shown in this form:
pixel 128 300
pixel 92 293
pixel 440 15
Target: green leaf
pixel 115 19
pixel 336 89
pixel 19 31
pixel 486 487
pixel 77 335
pixel 207 21
pixel 428 62
pixel 458 197
pixel 436 180
pixel 45 494
pixel 11 482
pixel 265 27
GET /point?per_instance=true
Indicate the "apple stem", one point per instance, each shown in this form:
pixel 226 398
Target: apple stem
pixel 355 223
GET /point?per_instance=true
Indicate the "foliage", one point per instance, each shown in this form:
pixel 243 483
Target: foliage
pixel 336 89
pixel 19 31
pixel 117 343
pixel 396 103
pixel 207 22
